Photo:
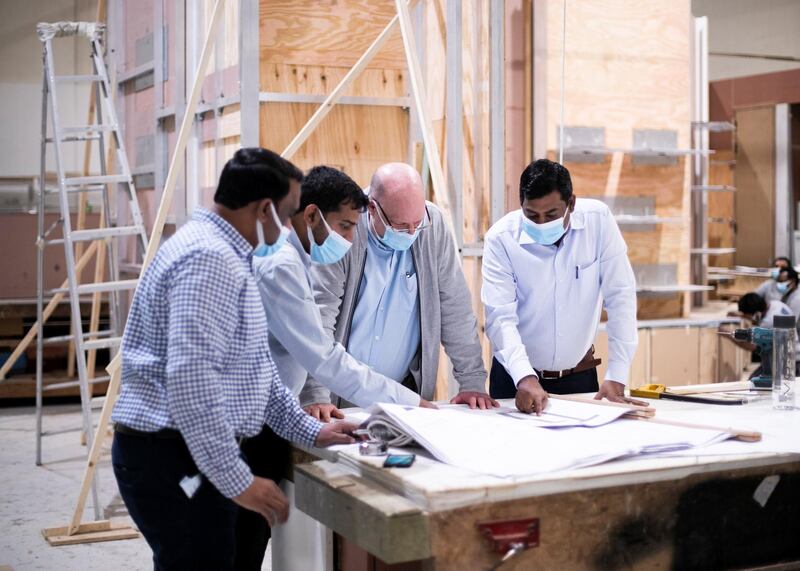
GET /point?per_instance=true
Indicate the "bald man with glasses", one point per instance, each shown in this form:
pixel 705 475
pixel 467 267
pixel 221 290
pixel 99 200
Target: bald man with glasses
pixel 400 294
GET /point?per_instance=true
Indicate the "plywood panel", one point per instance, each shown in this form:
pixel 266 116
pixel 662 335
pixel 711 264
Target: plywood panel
pixel 674 356
pixel 354 138
pixel 327 32
pixel 708 357
pixel 755 186
pixel 639 366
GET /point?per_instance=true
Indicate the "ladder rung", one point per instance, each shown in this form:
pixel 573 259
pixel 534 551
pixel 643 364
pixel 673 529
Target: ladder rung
pixel 102 343
pixel 75 138
pixel 101 233
pixel 87 129
pixel 68 384
pixel 64 338
pixel 97 179
pixel 75 78
pixel 100 287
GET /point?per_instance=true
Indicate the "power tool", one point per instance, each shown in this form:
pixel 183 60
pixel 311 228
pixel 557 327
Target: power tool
pixel 761 337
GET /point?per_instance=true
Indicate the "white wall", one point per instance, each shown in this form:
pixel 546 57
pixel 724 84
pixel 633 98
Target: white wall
pixel 21 81
pixel 763 27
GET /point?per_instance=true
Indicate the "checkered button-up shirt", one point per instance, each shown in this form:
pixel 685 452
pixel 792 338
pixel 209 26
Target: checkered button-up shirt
pixel 195 355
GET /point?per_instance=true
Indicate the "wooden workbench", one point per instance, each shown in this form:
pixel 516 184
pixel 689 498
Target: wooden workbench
pixel 691 511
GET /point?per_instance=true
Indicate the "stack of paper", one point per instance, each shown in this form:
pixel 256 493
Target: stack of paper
pixel 506 445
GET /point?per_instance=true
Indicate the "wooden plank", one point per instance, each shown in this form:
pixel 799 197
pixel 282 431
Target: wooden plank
pixel 708 356
pixel 755 186
pixel 89 533
pixel 721 206
pixel 388 525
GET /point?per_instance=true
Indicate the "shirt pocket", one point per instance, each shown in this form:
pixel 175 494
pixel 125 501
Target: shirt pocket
pixel 587 284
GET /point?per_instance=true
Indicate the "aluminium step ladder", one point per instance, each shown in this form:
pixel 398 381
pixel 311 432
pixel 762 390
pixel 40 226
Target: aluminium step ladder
pixel 105 130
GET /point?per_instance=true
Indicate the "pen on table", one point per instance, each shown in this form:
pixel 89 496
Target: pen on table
pixel 576 272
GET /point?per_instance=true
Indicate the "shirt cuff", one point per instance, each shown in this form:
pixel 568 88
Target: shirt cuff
pixel 233 481
pixel 308 431
pixel 520 370
pixel 618 372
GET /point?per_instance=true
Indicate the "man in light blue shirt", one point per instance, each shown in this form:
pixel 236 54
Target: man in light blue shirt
pixel 322 232
pixel 399 294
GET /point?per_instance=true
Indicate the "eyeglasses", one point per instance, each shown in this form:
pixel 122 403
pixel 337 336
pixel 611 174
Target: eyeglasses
pixel 424 223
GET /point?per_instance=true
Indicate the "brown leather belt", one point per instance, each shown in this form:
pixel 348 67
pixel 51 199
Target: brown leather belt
pixel 588 362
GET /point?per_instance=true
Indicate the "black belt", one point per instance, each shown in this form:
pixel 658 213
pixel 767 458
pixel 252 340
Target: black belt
pixel 163 434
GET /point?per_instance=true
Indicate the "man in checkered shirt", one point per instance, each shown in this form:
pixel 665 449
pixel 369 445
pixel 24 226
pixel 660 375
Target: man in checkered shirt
pixel 198 378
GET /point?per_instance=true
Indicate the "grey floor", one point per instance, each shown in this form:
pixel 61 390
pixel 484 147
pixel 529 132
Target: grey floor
pixel 34 497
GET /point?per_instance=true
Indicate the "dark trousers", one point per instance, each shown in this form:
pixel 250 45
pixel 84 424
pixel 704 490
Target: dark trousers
pixel 501 385
pixel 208 531
pixel 268 457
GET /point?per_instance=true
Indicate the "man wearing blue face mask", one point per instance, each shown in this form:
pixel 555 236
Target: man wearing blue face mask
pixel 548 269
pixel 322 233
pixel 771 289
pixel 399 294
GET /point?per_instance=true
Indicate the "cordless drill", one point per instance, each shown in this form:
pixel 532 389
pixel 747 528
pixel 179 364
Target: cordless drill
pixel 761 337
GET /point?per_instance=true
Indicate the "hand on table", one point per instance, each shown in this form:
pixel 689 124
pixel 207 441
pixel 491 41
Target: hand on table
pixel 265 497
pixel 323 411
pixel 615 392
pixel 336 433
pixel 474 399
pixel 531 397
pixel 426 404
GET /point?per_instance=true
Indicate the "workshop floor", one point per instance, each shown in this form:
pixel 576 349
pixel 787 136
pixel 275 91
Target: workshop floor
pixel 34 497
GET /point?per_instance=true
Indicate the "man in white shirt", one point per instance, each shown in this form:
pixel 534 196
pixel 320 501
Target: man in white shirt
pixel 769 289
pixel 548 270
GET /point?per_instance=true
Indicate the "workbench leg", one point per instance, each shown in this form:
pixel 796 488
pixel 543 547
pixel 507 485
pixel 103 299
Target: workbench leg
pixel 350 557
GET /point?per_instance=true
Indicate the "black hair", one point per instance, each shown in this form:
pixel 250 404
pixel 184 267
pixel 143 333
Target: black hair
pixel 791 273
pixel 542 177
pixel 782 259
pixel 330 189
pixel 751 303
pixel 254 174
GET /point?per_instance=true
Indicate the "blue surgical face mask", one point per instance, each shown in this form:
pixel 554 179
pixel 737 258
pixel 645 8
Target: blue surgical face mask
pixel 774 273
pixel 399 241
pixel 545 234
pixel 782 287
pixel 332 249
pixel 263 249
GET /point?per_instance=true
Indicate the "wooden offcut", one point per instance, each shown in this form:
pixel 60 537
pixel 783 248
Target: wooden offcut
pixel 93 532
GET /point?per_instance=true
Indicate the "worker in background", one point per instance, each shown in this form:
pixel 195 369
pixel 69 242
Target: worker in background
pixel 769 289
pixel 548 270
pixel 787 287
pixel 322 233
pixel 198 379
pixel 759 312
pixel 399 294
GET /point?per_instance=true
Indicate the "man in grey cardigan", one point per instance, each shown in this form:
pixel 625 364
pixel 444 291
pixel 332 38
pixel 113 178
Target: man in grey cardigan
pixel 399 294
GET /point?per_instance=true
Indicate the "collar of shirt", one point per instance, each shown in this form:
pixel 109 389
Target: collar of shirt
pixel 576 222
pixel 294 240
pixel 242 247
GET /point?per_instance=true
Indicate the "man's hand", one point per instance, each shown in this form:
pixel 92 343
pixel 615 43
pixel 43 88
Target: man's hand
pixel 323 411
pixel 531 397
pixel 265 497
pixel 426 404
pixel 615 392
pixel 336 433
pixel 474 399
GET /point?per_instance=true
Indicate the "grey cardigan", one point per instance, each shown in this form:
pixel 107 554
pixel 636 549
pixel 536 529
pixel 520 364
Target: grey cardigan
pixel 445 308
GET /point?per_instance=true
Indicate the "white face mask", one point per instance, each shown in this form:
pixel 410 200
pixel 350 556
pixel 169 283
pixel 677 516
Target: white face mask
pixel 263 249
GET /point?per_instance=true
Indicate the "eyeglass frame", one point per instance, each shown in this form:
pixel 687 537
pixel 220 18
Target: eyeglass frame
pixel 426 221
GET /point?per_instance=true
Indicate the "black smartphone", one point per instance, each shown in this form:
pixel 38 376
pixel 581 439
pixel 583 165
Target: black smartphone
pixel 399 460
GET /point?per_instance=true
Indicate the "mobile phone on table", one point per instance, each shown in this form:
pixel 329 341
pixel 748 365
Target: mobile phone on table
pixel 399 460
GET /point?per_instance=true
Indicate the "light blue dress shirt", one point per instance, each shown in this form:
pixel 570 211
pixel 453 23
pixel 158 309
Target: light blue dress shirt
pixel 385 332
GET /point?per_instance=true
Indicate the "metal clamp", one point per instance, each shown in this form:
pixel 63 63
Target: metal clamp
pixel 373 448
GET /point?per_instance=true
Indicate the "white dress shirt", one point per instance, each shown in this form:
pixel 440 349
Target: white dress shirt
pixel 299 344
pixel 543 303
